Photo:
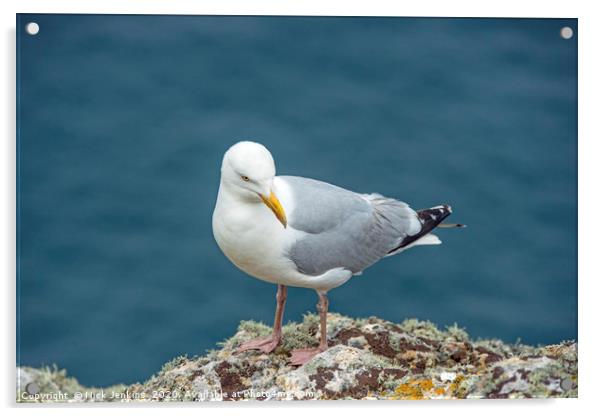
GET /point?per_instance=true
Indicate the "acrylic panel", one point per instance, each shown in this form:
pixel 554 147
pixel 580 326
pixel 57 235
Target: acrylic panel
pixel 122 124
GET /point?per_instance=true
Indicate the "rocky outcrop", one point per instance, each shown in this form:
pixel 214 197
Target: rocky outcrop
pixel 368 359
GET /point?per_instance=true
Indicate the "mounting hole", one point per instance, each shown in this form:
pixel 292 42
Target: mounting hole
pixel 32 28
pixel 566 384
pixel 566 32
pixel 32 388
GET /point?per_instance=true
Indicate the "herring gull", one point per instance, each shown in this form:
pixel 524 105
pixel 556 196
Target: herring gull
pixel 295 231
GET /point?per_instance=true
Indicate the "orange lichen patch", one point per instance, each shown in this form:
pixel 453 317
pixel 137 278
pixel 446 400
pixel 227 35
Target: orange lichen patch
pixel 454 388
pixel 413 390
pixel 426 384
pixel 439 391
pixel 408 391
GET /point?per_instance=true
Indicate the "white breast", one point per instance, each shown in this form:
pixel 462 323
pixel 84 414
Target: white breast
pixel 252 238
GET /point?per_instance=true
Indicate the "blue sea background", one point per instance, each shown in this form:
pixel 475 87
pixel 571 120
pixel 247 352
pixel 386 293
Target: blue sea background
pixel 123 121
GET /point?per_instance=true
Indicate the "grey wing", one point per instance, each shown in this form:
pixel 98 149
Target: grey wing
pixel 343 228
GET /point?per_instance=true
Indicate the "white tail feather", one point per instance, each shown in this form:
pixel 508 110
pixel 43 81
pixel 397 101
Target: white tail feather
pixel 428 239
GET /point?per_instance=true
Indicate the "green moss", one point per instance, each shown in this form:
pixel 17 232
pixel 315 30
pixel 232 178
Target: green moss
pixel 424 329
pixel 254 329
pixel 170 365
pixel 301 335
pixel 459 334
pixel 293 337
pixel 247 330
pixel 311 322
pixel 394 340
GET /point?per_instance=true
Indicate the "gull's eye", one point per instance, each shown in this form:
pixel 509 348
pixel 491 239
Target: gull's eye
pixel 245 178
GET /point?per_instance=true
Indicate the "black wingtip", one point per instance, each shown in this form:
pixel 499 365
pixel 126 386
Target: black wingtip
pixel 430 219
pixel 434 216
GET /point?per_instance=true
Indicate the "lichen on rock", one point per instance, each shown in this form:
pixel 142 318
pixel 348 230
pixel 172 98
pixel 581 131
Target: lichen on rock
pixel 367 359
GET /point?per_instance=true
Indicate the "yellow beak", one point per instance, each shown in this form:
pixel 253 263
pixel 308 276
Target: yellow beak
pixel 274 204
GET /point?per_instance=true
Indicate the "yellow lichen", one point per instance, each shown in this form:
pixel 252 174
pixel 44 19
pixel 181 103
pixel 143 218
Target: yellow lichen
pixel 454 387
pixel 413 390
pixel 426 384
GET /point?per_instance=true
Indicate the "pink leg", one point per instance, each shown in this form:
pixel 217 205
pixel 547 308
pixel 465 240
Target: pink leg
pixel 301 356
pixel 269 344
